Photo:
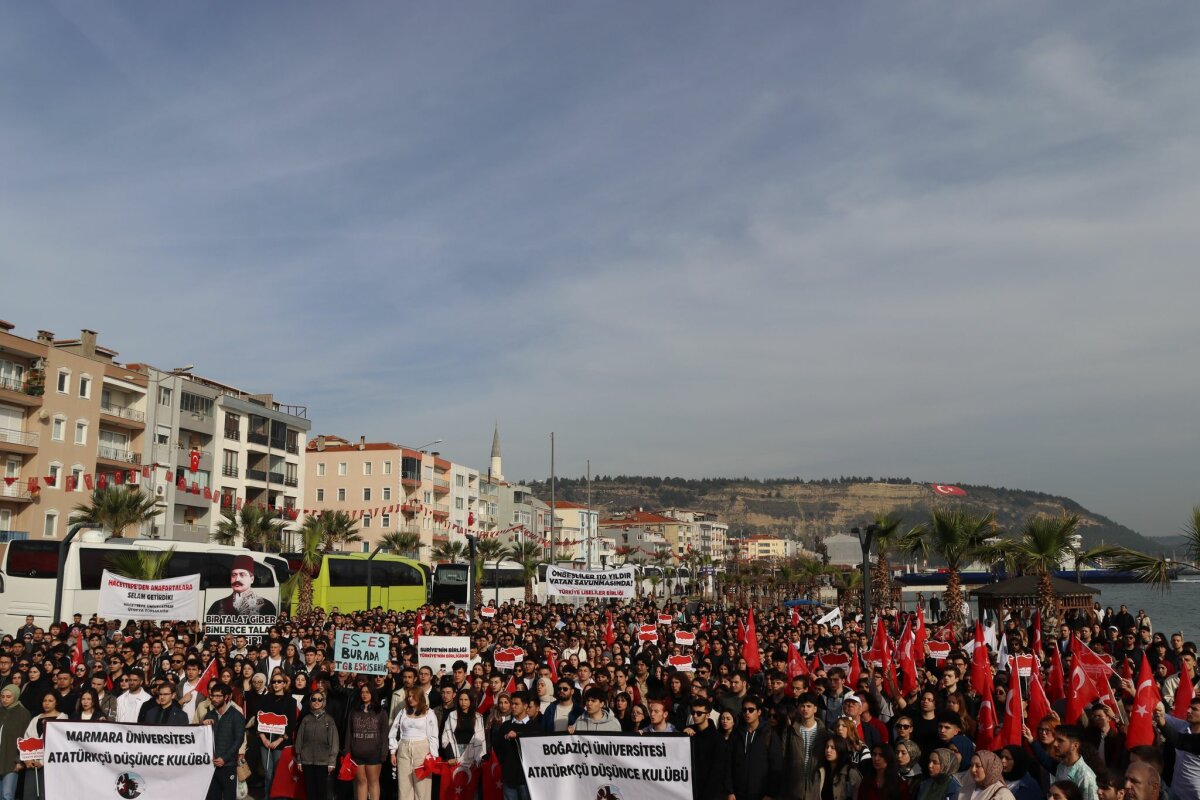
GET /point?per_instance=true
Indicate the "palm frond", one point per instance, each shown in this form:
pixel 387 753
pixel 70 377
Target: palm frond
pixel 140 564
pixel 1192 532
pixel 1147 569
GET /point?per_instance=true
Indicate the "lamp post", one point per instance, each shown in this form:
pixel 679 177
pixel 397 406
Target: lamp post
pixel 865 537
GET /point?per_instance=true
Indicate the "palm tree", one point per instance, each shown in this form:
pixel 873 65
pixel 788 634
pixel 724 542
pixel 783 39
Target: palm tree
pixel 140 564
pixel 662 558
pixel 338 530
pixel 887 541
pixel 848 583
pixel 810 572
pixel 528 555
pixel 485 550
pixel 403 543
pixel 956 536
pixel 1153 570
pixel 115 509
pixel 252 527
pixel 312 551
pixel 1045 543
pixel 450 551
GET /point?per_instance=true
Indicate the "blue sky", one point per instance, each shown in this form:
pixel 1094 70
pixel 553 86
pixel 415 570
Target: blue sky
pixel 943 240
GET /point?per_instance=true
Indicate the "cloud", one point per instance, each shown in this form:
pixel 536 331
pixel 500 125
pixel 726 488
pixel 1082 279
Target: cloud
pixel 928 241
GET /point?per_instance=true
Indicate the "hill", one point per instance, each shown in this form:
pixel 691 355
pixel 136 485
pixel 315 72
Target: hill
pixel 812 510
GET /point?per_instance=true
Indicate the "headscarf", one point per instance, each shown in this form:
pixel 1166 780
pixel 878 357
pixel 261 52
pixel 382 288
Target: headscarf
pixel 1020 763
pixel 936 788
pixel 991 768
pixel 15 691
pixel 913 750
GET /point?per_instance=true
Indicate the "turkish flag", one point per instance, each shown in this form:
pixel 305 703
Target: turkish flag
pixel 1056 682
pixel 1037 635
pixel 207 493
pixel 750 648
pixel 1080 693
pixel 985 735
pixel 181 484
pixel 459 783
pixel 289 780
pixel 1141 719
pixel 77 651
pixel 491 777
pixel 133 476
pixel 486 703
pixel 1013 710
pixel 920 637
pixel 471 518
pixel 981 668
pixel 795 616
pixel 908 659
pixel 610 635
pixel 87 480
pixel 1184 693
pixel 795 664
pixel 194 460
pixel 855 671
pixel 119 477
pixel 146 471
pixel 948 491
pixel 195 488
pixel 9 480
pixel 206 677
pixel 102 481
pixel 1039 704
pixel 880 653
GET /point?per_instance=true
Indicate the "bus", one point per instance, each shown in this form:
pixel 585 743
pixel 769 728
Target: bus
pixel 450 582
pixel 29 571
pixel 397 583
pixel 501 582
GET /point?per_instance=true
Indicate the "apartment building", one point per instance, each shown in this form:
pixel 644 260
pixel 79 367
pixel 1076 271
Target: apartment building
pixel 682 536
pixel 69 414
pixel 579 524
pixel 641 542
pixel 755 548
pixel 710 533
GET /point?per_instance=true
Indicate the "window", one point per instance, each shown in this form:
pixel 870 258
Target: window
pixel 77 477
pixel 164 396
pixel 341 495
pixel 196 404
pixel 321 469
pixel 385 520
pixel 30 559
pixel 458 503
pixel 64 381
pixel 387 493
pixel 162 435
pixel 341 468
pixel 460 480
pixel 233 426
pixel 366 521
pixel 387 468
pixel 367 495
pixel 81 431
pixel 50 526
pixel 428 498
pixel 320 495
pixel 85 385
pixel 366 468
pixel 229 463
pixel 58 428
pixel 55 475
pixel 429 473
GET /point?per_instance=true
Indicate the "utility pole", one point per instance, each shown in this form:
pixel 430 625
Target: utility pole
pixel 553 510
pixel 587 541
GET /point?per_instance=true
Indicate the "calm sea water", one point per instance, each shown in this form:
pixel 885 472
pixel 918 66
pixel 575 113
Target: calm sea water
pixel 1175 610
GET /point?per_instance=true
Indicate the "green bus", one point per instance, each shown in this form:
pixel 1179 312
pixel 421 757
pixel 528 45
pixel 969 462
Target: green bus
pixel 397 583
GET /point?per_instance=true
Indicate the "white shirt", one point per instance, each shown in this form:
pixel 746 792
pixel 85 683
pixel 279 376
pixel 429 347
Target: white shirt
pixel 411 729
pixel 129 705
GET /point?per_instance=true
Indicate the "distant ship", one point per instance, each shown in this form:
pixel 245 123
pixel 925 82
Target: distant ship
pixel 983 577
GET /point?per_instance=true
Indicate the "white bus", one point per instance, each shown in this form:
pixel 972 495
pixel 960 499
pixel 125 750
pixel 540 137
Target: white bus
pixel 29 572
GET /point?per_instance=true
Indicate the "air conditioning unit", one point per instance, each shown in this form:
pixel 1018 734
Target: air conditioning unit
pixel 160 490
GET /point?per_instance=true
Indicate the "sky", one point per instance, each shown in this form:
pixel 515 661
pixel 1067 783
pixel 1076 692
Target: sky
pixel 949 241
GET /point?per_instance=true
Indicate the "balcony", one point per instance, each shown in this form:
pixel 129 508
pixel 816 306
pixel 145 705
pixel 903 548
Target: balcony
pixel 229 472
pixel 12 536
pixel 439 509
pixel 293 448
pixel 14 441
pixel 440 486
pixel 18 492
pixel 410 508
pixel 256 475
pixel 129 417
pixel 256 438
pixel 117 455
pixel 21 392
pixel 234 434
pixel 275 477
pixel 190 533
pixel 290 480
pixel 410 479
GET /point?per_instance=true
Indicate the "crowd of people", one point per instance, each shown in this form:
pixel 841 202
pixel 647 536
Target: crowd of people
pixel 777 705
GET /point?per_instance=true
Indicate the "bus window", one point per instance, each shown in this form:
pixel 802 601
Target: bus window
pixel 189 564
pixel 347 571
pixel 92 563
pixel 32 559
pixel 451 575
pixel 509 579
pixel 282 573
pixel 397 573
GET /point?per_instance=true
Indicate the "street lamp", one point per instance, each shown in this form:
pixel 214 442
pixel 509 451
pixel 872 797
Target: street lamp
pixel 429 444
pixel 865 537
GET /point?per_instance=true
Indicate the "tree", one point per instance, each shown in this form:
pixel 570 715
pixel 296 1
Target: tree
pixel 312 552
pixel 957 537
pixel 485 550
pixel 887 541
pixel 338 530
pixel 402 543
pixel 450 551
pixel 251 527
pixel 140 564
pixel 1044 544
pixel 1153 570
pixel 528 555
pixel 848 583
pixel 114 509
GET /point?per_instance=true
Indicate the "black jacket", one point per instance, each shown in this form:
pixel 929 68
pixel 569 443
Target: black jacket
pixel 229 730
pixel 154 714
pixel 755 766
pixel 509 750
pixel 710 765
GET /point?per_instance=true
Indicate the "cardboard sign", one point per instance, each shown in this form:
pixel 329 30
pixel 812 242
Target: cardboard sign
pixel 355 651
pixel 440 652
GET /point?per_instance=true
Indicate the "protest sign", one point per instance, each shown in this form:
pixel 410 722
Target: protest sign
pixel 170 599
pixel 357 651
pixel 271 724
pixel 685 638
pixel 242 612
pixel 440 652
pixel 104 759
pixel 582 583
pixel 629 768
pixel 506 658
pixel 31 748
pixel 832 618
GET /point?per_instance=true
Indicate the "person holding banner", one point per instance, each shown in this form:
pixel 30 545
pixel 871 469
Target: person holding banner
pixel 14 719
pixel 278 703
pixel 35 786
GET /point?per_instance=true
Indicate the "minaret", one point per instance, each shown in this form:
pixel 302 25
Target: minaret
pixel 494 469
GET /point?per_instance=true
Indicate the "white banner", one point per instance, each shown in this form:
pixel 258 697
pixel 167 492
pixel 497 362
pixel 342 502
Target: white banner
pixel 122 762
pixel 440 652
pixel 624 767
pixel 577 583
pixel 832 618
pixel 127 598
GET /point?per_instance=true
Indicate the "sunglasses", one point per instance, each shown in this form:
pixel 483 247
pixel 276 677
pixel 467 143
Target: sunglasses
pixel 749 710
pixel 278 683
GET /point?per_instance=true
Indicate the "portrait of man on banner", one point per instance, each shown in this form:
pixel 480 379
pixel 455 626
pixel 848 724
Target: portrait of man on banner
pixel 242 601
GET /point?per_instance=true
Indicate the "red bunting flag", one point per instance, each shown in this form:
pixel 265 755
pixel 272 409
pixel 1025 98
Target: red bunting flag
pixel 194 460
pixel 1184 692
pixel 87 481
pixel 133 476
pixel 102 481
pixel 181 485
pixel 146 471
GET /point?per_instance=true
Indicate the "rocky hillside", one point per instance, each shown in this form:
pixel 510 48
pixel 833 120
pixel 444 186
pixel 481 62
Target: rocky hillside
pixel 812 510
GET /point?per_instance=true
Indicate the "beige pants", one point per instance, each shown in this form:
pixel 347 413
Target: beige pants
pixel 409 755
